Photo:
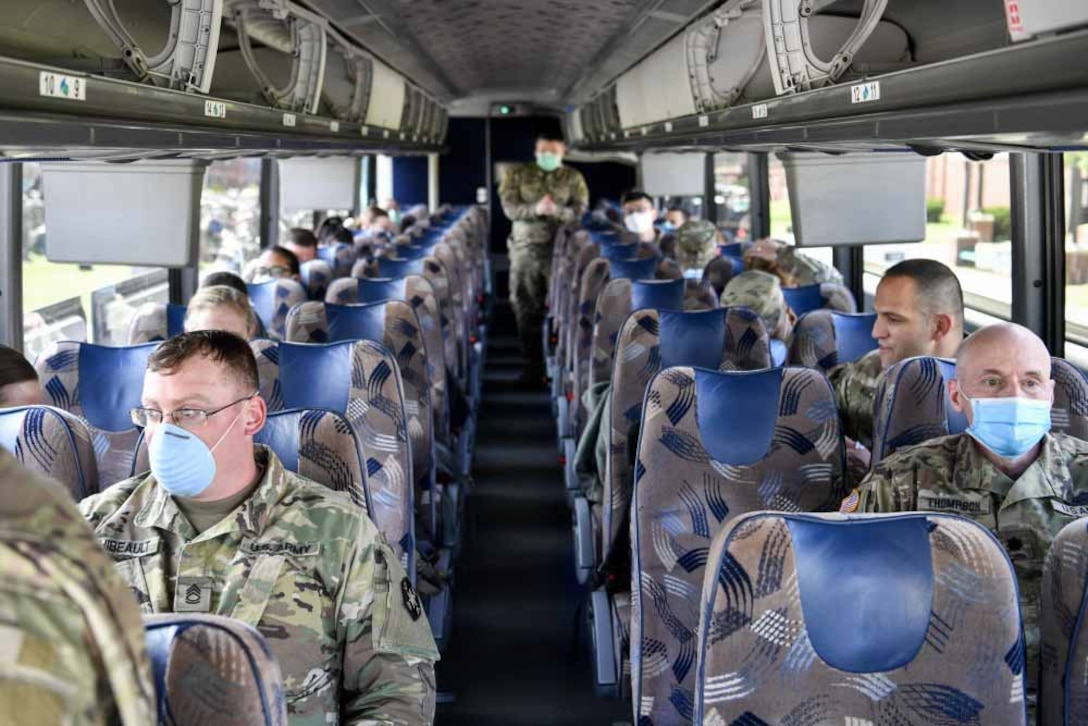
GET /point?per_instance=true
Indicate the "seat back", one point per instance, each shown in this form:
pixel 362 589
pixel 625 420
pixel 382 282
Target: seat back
pixel 54 443
pixel 911 405
pixel 838 297
pixel 715 445
pixel 100 385
pixel 361 381
pixel 1069 414
pixel 316 275
pixel 616 301
pixel 733 249
pixel 272 300
pixel 213 670
pixel 456 337
pixel 1063 679
pixel 902 618
pixel 803 299
pixel 399 267
pixel 154 322
pixel 824 339
pixel 650 340
pixel 320 445
pixel 339 257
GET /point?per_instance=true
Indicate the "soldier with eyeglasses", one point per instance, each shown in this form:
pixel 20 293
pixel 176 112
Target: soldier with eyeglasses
pixel 219 526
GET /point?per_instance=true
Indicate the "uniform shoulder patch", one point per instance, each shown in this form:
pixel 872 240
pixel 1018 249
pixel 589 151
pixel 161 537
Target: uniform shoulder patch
pixel 850 504
pixel 411 599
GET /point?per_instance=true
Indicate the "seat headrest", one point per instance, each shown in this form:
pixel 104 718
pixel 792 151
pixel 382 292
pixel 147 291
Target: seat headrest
pixel 316 376
pixel 737 263
pixel 734 249
pixel 936 372
pixel 414 252
pixel 377 289
pixel 632 269
pixel 332 253
pixel 280 433
pixel 661 294
pixel 30 424
pixel 866 588
pixel 694 339
pixel 803 299
pixel 619 251
pixel 111 383
pixel 399 267
pixel 737 412
pixel 175 319
pixel 853 335
pixel 356 322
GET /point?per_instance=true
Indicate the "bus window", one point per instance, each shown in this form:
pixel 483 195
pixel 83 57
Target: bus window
pixel 57 297
pixel 968 228
pixel 230 211
pixel 781 221
pixel 1076 257
pixel 731 195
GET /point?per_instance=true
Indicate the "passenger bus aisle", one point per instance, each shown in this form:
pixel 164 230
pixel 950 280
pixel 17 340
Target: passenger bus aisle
pixel 512 658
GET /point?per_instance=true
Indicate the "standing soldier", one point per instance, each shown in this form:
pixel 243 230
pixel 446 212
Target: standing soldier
pixel 537 198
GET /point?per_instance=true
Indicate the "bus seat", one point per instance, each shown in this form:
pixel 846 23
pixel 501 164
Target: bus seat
pixel 733 249
pixel 803 299
pixel 272 300
pixel 714 445
pixel 389 267
pixel 213 670
pixel 54 443
pixel 1069 414
pixel 361 381
pixel 846 615
pixel 1063 693
pixel 339 257
pixel 343 291
pixel 823 339
pixel 100 385
pixel 911 405
pixel 413 251
pixel 617 300
pixel 838 297
pixel 154 322
pixel 321 446
pixel 316 275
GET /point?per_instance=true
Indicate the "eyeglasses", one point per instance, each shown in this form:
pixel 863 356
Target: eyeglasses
pixel 274 271
pixel 186 418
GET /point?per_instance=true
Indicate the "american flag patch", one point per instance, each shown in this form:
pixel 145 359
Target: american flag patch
pixel 850 504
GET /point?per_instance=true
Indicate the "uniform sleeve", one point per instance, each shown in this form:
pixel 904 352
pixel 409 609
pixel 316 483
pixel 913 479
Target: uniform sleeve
pixel 883 489
pixel 579 200
pixel 389 653
pixel 510 196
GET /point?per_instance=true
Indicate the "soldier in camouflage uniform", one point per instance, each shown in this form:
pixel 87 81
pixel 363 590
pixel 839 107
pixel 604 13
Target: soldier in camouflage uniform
pixel 244 538
pixel 761 292
pixel 696 245
pixel 1006 471
pixel 71 637
pixel 919 307
pixel 794 268
pixel 537 198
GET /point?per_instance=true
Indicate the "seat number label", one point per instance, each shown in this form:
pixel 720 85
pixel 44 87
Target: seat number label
pixel 865 92
pixel 56 85
pixel 704 121
pixel 334 126
pixel 759 110
pixel 289 119
pixel 215 109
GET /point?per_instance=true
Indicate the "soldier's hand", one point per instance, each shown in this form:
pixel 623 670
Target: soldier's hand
pixel 858 459
pixel 546 207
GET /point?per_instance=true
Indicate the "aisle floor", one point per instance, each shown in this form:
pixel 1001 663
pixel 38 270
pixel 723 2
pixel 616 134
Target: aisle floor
pixel 512 658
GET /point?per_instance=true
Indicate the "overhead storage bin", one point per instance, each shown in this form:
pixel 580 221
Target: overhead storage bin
pixel 277 55
pixel 349 72
pixel 413 113
pixel 387 93
pixel 656 89
pixel 167 44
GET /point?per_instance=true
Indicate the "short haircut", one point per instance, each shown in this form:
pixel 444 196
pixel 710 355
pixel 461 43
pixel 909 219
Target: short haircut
pixel 406 223
pixel 678 209
pixel 329 226
pixel 550 137
pixel 227 279
pixel 219 346
pixel 376 212
pixel 937 287
pixel 301 237
pixel 343 236
pixel 14 368
pixel 222 296
pixel 291 257
pixel 636 195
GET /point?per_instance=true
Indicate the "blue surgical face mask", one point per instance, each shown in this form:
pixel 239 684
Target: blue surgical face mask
pixel 1009 427
pixel 548 161
pixel 183 464
pixel 668 226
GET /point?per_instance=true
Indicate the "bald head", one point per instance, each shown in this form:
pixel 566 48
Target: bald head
pixel 1001 361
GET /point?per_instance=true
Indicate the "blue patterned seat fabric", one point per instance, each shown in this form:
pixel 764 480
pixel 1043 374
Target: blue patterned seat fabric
pixel 54 443
pixel 714 445
pixel 908 619
pixel 272 300
pixel 824 339
pixel 1063 681
pixel 339 257
pixel 911 405
pixel 316 276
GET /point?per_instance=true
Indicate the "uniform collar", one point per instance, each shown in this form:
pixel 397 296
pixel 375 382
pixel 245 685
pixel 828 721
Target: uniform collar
pixel 1040 480
pixel 160 511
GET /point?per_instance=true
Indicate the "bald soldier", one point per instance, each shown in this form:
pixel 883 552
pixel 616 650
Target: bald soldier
pixel 219 526
pixel 1007 471
pixel 71 637
pixel 537 198
pixel 919 311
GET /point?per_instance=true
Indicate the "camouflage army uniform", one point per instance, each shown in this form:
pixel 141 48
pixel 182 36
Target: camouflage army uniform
pixel 950 474
pixel 297 561
pixel 696 244
pixel 71 638
pixel 531 241
pixel 855 387
pixel 804 269
pixel 760 292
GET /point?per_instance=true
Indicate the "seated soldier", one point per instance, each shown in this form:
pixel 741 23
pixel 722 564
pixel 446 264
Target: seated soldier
pixel 675 218
pixel 219 526
pixel 221 308
pixel 19 384
pixel 761 292
pixel 1006 471
pixel 794 268
pixel 225 278
pixel 919 308
pixel 73 642
pixel 303 243
pixel 696 245
pixel 274 262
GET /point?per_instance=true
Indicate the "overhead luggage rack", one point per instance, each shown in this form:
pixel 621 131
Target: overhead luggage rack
pixel 349 73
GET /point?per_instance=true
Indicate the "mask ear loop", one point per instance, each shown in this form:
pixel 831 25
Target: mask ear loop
pixel 232 423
